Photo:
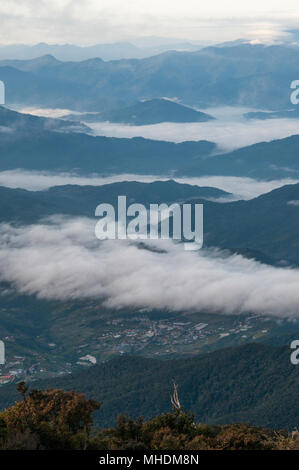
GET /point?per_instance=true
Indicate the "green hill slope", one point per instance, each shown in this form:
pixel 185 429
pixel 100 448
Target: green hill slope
pixel 252 383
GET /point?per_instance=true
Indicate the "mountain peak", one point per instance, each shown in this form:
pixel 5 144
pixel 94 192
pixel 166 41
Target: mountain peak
pixel 46 58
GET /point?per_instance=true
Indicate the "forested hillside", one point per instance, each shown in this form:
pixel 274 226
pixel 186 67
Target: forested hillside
pixel 252 383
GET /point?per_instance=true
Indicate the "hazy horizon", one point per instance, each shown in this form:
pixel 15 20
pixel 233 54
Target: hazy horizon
pixel 90 22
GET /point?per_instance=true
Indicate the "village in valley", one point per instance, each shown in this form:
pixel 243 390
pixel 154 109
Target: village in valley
pixel 138 335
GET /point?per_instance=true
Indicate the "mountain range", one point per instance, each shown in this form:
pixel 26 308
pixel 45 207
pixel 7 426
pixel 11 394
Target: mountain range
pixel 229 368
pixel 30 206
pixel 111 51
pixel 249 75
pixel 49 150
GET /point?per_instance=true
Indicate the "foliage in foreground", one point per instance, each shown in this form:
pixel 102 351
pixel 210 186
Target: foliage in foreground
pixel 58 419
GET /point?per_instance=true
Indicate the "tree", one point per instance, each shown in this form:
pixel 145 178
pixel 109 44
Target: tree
pixel 59 419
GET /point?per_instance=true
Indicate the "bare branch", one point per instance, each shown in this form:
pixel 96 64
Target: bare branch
pixel 174 398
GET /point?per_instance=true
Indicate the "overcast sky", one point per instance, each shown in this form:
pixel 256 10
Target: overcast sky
pixel 97 21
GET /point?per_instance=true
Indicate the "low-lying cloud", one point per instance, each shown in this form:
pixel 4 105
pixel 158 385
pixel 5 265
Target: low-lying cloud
pixel 294 203
pixel 240 187
pixel 61 259
pixel 46 112
pixel 230 131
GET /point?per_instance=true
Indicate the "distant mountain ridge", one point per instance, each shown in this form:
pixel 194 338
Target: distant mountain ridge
pixel 148 112
pixel 262 228
pixel 65 151
pixel 108 51
pixel 288 113
pixel 265 228
pixel 86 154
pixel 245 74
pixel 30 206
pixel 28 124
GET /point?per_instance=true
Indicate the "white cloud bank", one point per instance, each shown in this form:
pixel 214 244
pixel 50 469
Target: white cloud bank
pixel 228 133
pixel 63 260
